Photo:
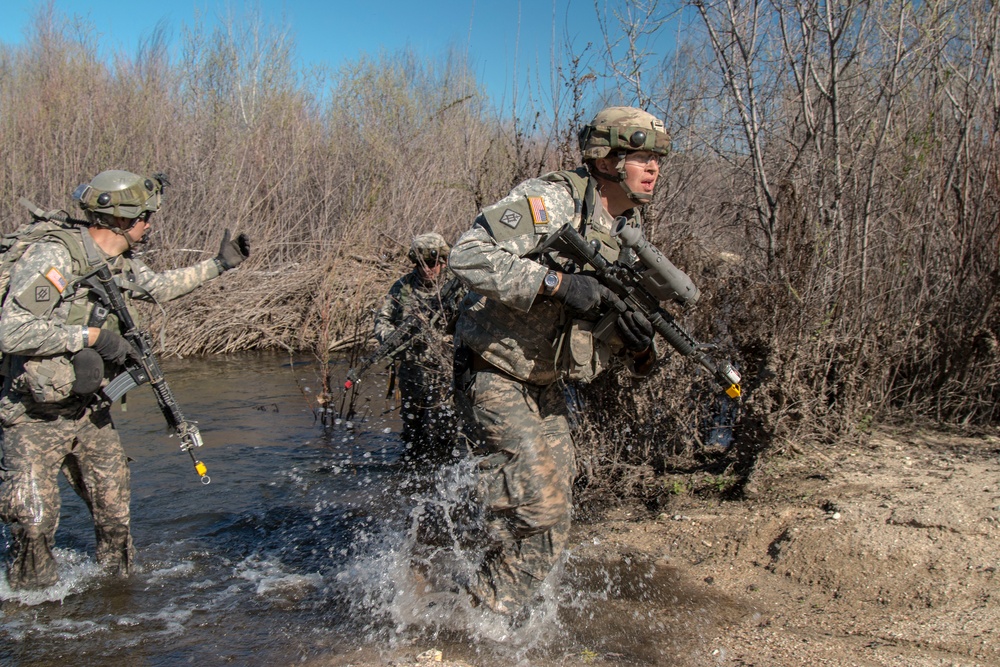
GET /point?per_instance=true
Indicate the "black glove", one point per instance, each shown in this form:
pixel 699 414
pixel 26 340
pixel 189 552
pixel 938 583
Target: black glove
pixel 636 331
pixel 114 348
pixel 232 253
pixel 580 293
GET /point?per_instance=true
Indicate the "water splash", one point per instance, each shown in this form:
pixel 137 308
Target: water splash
pixel 77 573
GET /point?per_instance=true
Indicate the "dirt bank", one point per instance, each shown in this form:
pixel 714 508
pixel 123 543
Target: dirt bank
pixel 885 554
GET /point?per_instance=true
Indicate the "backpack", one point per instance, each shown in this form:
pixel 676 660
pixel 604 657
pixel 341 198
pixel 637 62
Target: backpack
pixel 52 224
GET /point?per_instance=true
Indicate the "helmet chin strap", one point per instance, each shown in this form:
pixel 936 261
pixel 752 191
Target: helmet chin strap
pixel 99 221
pixel 639 198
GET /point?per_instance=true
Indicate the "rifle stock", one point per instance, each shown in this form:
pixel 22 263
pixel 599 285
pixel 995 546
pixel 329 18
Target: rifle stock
pixel 629 295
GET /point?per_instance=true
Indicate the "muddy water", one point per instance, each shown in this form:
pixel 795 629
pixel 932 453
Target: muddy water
pixel 297 552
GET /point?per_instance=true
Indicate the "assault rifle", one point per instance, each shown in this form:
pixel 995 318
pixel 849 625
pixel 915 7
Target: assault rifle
pixel 145 368
pixel 406 332
pixel 640 288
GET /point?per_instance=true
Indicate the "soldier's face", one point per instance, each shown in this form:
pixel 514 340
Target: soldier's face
pixel 642 169
pixel 429 270
pixel 136 228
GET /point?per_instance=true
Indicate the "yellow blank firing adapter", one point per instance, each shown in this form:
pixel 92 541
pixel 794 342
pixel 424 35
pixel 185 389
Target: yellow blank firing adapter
pixel 202 470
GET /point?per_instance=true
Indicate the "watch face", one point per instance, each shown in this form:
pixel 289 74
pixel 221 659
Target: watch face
pixel 551 280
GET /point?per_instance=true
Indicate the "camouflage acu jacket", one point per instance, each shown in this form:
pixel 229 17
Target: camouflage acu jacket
pixel 504 319
pixel 42 323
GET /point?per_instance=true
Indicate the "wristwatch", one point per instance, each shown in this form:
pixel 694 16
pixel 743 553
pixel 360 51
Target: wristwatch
pixel 550 283
pixel 86 337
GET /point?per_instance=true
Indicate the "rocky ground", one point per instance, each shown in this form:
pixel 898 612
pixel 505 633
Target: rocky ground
pixel 881 554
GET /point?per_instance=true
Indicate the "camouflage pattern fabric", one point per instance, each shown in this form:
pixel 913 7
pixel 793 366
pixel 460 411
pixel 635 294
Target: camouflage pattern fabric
pixel 514 409
pixel 503 319
pixel 67 433
pixel 424 369
pixel 526 469
pixel 89 453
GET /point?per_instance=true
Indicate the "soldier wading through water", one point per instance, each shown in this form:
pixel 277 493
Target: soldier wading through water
pixel 423 368
pixel 59 350
pixel 527 326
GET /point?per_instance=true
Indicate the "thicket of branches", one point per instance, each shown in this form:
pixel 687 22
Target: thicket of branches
pixel 846 155
pixel 833 192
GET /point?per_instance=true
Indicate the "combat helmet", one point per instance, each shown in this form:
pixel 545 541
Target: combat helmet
pixel 428 249
pixel 621 130
pixel 121 194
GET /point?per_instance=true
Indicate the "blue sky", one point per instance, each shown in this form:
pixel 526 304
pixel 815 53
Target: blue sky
pixel 505 39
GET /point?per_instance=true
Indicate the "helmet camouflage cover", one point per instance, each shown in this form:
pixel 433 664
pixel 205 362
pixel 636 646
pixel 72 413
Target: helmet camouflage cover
pixel 429 246
pixel 121 193
pixel 623 128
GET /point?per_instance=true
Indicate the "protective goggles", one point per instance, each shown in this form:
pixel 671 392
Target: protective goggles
pixel 428 258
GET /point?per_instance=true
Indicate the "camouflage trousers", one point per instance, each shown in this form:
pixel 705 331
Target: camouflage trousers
pixel 88 451
pixel 527 465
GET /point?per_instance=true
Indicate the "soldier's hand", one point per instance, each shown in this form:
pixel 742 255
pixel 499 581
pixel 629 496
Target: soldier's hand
pixel 114 348
pixel 580 293
pixel 232 252
pixel 636 331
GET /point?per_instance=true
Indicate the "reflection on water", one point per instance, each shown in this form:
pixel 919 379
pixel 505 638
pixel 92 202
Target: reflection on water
pixel 297 553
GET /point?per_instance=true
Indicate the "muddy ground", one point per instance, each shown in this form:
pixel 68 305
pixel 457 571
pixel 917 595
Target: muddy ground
pixel 883 554
pixel 880 554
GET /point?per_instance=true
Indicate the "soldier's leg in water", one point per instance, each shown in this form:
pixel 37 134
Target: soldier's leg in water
pixel 555 464
pixel 29 499
pixel 104 485
pixel 526 481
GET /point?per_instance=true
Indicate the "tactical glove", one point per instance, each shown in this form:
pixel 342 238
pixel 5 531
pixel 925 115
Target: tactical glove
pixel 635 330
pixel 233 252
pixel 580 293
pixel 114 348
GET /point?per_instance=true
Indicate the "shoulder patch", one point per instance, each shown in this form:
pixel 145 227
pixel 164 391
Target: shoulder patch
pixel 538 213
pixel 56 279
pixel 40 297
pixel 509 219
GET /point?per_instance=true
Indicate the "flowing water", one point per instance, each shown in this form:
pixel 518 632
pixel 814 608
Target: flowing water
pixel 296 553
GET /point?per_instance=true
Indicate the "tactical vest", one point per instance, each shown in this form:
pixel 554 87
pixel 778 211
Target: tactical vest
pixel 585 199
pixel 48 379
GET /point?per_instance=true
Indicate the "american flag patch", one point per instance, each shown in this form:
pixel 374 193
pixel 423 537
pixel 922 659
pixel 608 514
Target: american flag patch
pixel 56 279
pixel 538 213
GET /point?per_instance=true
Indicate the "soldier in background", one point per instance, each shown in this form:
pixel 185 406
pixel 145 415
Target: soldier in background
pixel 423 369
pixel 59 349
pixel 527 326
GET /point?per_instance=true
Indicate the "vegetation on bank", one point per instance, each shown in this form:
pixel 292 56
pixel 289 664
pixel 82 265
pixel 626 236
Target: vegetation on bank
pixel 833 192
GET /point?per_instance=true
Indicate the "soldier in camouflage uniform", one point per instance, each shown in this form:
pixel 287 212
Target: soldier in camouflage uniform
pixel 527 325
pixel 59 349
pixel 424 377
